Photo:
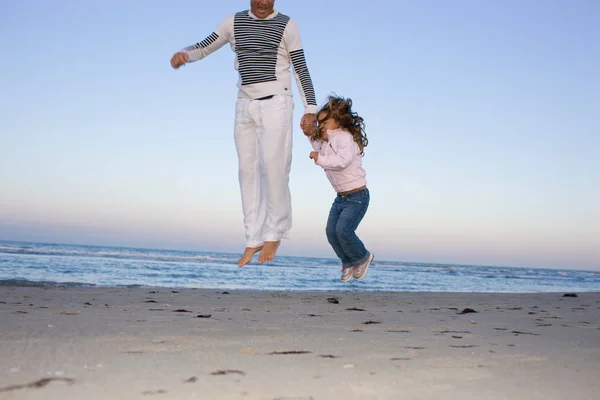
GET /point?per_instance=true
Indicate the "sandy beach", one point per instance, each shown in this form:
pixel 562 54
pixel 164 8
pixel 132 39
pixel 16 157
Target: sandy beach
pixel 113 343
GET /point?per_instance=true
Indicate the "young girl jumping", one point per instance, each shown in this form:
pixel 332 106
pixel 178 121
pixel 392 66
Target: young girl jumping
pixel 339 140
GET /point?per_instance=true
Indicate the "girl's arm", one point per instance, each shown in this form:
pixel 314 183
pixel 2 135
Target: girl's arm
pixel 316 144
pixel 345 153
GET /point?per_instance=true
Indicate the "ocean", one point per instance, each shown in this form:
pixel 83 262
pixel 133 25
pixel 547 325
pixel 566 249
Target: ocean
pixel 43 264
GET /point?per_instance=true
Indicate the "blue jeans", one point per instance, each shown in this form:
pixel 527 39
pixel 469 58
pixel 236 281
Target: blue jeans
pixel 346 213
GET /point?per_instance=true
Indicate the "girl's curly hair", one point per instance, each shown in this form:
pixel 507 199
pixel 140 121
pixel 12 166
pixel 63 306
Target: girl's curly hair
pixel 340 110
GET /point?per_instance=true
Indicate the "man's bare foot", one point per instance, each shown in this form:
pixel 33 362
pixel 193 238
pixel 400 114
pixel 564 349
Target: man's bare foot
pixel 268 252
pixel 248 255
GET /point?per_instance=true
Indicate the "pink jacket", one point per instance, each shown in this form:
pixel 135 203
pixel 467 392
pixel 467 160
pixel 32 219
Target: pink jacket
pixel 341 159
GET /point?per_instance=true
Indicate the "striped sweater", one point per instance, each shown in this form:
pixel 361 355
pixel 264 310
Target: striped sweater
pixel 265 49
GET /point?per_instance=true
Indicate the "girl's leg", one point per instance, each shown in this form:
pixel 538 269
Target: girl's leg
pixel 354 207
pixel 331 229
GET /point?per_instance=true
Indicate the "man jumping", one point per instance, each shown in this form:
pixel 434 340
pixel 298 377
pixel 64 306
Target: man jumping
pixel 266 44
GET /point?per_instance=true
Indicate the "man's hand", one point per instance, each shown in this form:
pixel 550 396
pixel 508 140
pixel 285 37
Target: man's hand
pixel 308 124
pixel 314 156
pixel 179 59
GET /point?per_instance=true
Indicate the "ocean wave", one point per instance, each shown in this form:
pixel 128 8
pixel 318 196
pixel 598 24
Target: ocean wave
pixel 396 264
pixel 56 265
pixel 41 284
pixel 40 251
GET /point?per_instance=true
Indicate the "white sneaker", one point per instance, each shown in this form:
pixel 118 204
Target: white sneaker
pixel 361 270
pixel 347 274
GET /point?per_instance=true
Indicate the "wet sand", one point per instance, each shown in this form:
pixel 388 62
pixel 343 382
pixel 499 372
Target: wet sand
pixel 107 343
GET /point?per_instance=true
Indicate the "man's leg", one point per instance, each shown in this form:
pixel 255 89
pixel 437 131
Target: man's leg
pixel 275 145
pixel 247 145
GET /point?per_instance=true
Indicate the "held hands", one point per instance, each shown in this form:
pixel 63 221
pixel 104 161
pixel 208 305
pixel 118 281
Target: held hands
pixel 308 124
pixel 179 59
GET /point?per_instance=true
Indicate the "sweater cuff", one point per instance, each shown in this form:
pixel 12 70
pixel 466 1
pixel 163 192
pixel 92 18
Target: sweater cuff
pixel 320 161
pixel 310 110
pixel 189 60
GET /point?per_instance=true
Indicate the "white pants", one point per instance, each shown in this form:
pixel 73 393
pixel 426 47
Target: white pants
pixel 263 140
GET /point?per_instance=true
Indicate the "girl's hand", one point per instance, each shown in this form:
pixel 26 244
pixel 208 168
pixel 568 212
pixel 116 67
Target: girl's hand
pixel 314 156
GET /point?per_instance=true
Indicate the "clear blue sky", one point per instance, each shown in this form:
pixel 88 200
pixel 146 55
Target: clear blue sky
pixel 483 120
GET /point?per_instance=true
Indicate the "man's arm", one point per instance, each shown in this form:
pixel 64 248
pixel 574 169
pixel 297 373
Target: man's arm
pixel 291 36
pixel 212 43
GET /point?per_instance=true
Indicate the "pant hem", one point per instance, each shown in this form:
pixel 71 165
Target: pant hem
pixel 275 238
pixel 362 259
